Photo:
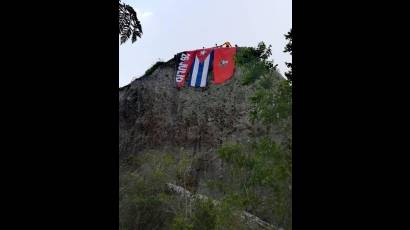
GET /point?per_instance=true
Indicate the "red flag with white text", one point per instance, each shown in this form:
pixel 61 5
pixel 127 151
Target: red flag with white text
pixel 184 63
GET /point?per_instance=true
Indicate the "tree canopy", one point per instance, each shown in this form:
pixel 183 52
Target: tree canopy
pixel 129 25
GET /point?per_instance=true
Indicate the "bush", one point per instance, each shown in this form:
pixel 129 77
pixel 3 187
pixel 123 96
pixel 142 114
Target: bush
pixel 144 200
pixel 153 68
pixel 181 223
pixel 204 216
pixel 255 62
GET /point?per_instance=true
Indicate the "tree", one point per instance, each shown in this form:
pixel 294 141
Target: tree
pixel 288 49
pixel 129 25
pixel 260 171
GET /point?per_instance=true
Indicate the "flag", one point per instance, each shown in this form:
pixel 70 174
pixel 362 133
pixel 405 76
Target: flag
pixel 184 63
pixel 223 64
pixel 200 68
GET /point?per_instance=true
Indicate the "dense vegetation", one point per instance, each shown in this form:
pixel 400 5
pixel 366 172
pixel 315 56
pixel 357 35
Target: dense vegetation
pixel 259 172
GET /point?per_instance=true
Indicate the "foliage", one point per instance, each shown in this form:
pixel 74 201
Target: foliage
pixel 145 202
pixel 255 62
pixel 227 214
pixel 260 172
pixel 289 37
pixel 204 216
pixel 153 68
pixel 129 25
pixel 208 216
pixel 180 222
pixel 143 196
pixel 288 49
pixel 272 101
pixel 260 166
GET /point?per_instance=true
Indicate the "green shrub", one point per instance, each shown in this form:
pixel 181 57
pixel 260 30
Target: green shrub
pixel 153 68
pixel 204 216
pixel 181 223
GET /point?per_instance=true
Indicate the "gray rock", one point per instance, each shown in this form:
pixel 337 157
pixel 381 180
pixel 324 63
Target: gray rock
pixel 154 115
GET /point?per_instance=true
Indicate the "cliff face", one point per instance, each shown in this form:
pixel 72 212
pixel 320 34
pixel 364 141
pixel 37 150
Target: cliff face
pixel 154 115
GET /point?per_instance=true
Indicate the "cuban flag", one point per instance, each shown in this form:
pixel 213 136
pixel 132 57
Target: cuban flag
pixel 202 63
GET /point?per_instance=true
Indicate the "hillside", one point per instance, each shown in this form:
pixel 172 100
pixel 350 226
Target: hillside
pixel 178 133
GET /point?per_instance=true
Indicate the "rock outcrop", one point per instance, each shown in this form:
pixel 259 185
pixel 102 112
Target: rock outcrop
pixel 155 115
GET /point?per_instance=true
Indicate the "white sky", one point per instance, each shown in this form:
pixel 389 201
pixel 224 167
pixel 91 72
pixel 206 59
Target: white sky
pixel 172 26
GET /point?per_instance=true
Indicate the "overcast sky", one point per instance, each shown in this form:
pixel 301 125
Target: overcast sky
pixel 172 26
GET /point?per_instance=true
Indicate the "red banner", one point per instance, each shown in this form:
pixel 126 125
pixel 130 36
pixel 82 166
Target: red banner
pixel 223 64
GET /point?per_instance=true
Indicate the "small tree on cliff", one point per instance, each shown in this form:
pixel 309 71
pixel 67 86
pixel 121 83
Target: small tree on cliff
pixel 129 25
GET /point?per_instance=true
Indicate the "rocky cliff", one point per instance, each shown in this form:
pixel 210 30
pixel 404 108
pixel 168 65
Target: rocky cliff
pixel 155 116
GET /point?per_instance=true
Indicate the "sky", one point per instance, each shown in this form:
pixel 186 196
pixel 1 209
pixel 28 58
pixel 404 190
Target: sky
pixel 173 26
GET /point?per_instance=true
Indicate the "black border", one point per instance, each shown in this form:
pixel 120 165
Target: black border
pixel 62 119
pixel 60 115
